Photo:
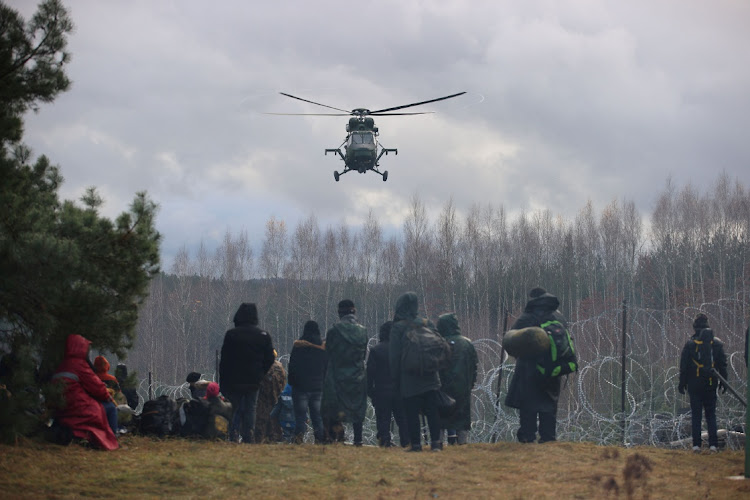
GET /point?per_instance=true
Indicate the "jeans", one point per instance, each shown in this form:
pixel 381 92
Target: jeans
pixel 304 401
pixel 427 402
pixel 111 410
pixel 385 406
pixel 705 400
pixel 243 415
pixel 547 426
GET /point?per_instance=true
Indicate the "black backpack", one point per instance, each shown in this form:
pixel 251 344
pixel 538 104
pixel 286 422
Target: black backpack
pixel 193 417
pixel 701 352
pixel 424 351
pixel 160 417
pixel 561 358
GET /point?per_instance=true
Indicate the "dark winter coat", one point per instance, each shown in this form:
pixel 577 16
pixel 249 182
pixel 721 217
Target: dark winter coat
pixel 345 386
pixel 689 376
pixel 458 380
pixel 84 394
pixel 405 317
pixel 246 355
pixel 379 380
pixel 528 388
pixel 307 366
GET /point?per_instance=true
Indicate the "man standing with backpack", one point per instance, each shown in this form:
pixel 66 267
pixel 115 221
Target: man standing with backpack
pixel 419 390
pixel 535 386
pixel 246 356
pixel 703 356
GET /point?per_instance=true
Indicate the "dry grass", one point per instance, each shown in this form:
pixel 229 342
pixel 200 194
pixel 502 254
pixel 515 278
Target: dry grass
pixel 146 467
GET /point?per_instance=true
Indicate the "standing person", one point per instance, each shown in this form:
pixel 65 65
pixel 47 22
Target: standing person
pixel 345 386
pixel 531 392
pixel 127 385
pixel 307 370
pixel 418 391
pixel 458 380
pixel 385 399
pixel 246 357
pixel 702 356
pixel 84 395
pixel 283 413
pixel 268 429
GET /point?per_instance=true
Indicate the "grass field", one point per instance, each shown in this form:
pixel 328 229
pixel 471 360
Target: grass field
pixel 145 467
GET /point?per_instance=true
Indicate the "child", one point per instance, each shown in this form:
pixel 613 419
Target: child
pixel 284 411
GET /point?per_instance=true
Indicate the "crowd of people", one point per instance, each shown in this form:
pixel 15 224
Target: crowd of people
pixel 330 379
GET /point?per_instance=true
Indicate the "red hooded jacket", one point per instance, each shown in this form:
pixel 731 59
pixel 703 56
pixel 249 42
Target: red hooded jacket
pixel 84 393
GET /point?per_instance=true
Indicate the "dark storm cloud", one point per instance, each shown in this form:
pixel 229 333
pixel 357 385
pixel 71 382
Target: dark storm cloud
pixel 567 101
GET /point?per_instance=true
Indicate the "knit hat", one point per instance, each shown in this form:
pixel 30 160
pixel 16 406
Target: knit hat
pixel 537 292
pixel 212 390
pixel 346 306
pixel 193 377
pixel 701 321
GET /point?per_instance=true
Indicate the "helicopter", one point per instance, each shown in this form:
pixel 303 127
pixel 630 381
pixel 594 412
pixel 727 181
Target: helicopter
pixel 362 151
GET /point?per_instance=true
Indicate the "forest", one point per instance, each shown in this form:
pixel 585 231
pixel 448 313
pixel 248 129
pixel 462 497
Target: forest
pixel 616 271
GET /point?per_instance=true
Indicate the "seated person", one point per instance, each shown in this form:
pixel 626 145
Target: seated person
pixel 219 413
pixel 196 385
pixel 84 394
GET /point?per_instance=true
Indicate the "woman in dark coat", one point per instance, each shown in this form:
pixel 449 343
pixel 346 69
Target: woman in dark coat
pixel 84 394
pixel 307 369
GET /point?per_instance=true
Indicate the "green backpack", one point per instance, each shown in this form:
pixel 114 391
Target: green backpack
pixel 561 358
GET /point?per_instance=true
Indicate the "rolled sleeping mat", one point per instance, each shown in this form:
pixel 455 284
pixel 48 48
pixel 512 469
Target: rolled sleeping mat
pixel 526 342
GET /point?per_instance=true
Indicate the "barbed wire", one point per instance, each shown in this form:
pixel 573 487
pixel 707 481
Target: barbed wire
pixel 590 404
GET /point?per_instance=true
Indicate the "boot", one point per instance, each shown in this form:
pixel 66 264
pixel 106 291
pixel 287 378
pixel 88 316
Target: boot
pixel 436 446
pixel 415 447
pixel 452 440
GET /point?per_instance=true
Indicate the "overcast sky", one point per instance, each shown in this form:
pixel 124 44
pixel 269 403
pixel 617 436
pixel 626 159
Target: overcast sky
pixel 566 101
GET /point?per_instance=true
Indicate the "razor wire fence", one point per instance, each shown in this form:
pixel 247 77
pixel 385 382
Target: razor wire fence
pixel 590 406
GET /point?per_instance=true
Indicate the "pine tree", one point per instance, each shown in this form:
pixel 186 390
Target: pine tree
pixel 63 268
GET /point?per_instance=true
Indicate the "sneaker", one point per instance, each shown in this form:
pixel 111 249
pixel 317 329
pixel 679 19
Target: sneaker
pixel 713 449
pixel 696 449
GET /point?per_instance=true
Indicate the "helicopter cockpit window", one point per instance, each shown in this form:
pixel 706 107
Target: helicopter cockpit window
pixel 362 139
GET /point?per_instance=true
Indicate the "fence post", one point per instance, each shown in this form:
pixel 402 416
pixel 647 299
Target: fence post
pixel 747 398
pixel 500 369
pixel 624 371
pixel 216 367
pixel 150 388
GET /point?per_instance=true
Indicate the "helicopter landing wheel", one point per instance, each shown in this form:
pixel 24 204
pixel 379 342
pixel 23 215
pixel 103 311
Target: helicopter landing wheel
pixel 336 175
pixel 385 175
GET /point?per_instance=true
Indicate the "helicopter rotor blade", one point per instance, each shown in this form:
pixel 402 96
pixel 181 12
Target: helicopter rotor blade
pixel 317 103
pixel 416 103
pixel 402 114
pixel 309 114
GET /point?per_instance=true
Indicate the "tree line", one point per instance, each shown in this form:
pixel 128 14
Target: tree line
pixel 691 250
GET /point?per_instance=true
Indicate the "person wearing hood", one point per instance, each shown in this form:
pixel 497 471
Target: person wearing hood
pixel 219 413
pixel 246 357
pixel 101 368
pixel 307 370
pixel 345 385
pixel 458 379
pixel 84 394
pixel 533 394
pixel 700 380
pixel 384 397
pixel 419 392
